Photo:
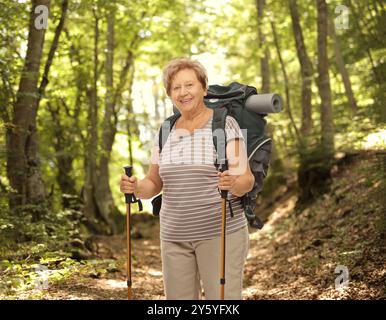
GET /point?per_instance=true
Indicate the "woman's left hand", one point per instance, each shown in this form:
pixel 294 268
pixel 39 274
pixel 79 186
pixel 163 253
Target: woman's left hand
pixel 226 181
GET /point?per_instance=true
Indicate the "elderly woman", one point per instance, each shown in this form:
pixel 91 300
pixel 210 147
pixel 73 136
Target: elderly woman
pixel 190 216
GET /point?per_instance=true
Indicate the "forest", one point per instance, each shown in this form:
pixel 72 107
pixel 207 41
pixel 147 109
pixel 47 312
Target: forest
pixel 81 96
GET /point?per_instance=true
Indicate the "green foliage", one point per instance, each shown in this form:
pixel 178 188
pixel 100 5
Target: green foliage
pixel 36 231
pixel 29 280
pixel 33 225
pixel 151 33
pixel 36 253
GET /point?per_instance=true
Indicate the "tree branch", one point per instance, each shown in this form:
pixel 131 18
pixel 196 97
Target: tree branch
pixel 52 51
pixel 4 102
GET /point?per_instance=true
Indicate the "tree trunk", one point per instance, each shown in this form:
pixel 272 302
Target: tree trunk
pixel 286 85
pixel 264 61
pixel 131 129
pixel 342 69
pixel 305 68
pixel 324 82
pixel 6 102
pixel 276 168
pixel 104 198
pixel 90 208
pixel 99 204
pixel 22 163
pixel 314 173
pixel 304 174
pixel 95 222
pixel 32 149
pixel 64 158
pixel 156 100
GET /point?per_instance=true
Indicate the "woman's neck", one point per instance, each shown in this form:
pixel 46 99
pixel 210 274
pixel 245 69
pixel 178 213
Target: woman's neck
pixel 195 114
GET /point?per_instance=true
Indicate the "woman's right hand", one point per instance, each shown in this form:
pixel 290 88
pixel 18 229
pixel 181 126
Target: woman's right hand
pixel 128 185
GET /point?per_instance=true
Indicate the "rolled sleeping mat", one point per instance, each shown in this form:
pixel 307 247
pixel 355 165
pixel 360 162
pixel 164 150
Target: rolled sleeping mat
pixel 264 103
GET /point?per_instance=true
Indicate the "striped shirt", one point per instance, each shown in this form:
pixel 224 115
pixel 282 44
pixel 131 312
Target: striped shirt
pixel 191 203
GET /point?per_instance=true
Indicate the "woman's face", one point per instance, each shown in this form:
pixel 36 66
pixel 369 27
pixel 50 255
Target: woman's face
pixel 186 91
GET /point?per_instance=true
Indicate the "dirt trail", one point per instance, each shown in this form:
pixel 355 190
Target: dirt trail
pixel 294 256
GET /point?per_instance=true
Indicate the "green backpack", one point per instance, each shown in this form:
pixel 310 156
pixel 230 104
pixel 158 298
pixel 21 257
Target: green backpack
pixel 230 101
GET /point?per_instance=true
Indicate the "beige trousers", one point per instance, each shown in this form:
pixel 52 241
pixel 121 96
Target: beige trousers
pixel 184 264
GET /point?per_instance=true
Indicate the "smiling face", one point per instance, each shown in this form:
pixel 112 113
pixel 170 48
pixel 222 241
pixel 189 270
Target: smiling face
pixel 186 91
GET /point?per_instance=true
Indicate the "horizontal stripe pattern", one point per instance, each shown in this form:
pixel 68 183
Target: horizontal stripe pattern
pixel 191 203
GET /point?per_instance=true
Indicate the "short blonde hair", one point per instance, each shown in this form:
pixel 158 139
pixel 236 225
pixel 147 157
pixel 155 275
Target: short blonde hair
pixel 176 65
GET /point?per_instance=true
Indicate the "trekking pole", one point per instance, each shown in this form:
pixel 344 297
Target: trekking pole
pixel 129 199
pixel 224 194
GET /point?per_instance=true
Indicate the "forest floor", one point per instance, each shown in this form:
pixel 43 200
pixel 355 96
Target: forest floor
pixel 299 254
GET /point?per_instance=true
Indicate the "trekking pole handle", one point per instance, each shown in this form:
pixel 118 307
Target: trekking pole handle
pixel 223 167
pixel 129 173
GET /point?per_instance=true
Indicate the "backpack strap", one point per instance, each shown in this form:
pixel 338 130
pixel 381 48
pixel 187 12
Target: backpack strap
pixel 165 129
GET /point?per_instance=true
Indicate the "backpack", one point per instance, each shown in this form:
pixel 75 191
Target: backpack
pixel 230 101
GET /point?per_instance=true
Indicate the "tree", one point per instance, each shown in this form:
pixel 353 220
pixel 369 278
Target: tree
pixel 63 129
pixel 342 68
pixel 23 168
pixel 327 139
pixel 314 172
pixel 90 208
pixel 99 205
pixel 286 85
pixel 305 69
pixel 264 60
